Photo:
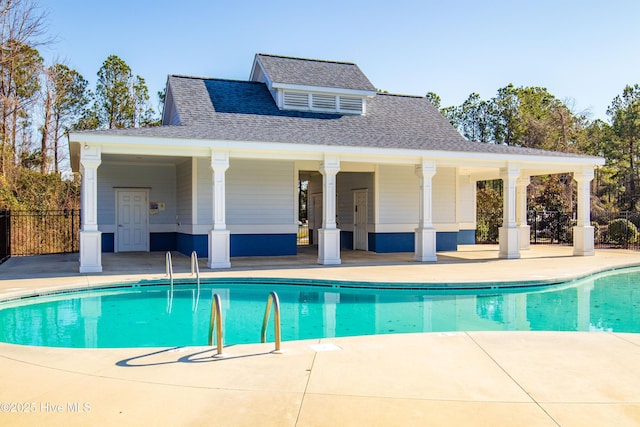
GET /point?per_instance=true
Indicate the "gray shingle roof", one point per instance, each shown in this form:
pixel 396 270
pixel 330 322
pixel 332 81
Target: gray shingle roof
pixel 313 72
pixel 216 109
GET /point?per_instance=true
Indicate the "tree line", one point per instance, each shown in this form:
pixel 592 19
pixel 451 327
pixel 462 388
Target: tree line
pixel 534 118
pixel 40 103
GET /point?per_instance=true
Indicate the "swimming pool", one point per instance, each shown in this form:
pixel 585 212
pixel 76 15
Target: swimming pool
pixel 146 314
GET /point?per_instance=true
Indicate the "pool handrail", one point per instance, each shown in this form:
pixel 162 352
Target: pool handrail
pixel 216 320
pixel 169 272
pixel 195 268
pixel 272 299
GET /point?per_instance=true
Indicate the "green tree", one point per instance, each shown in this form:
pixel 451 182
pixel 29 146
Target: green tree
pixel 434 98
pixel 507 123
pixel 452 114
pixel 476 118
pixel 625 121
pixel 122 100
pixel 489 212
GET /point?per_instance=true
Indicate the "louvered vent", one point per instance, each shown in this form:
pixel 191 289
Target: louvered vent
pixel 323 101
pixel 296 100
pixel 351 104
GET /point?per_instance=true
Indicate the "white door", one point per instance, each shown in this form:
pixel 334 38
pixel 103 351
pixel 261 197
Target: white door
pixel 360 237
pixel 132 220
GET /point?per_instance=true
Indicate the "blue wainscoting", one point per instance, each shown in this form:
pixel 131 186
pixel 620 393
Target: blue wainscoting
pixel 187 243
pixel 391 242
pixel 446 241
pixel 264 244
pixel 346 240
pixel 108 242
pixel 467 237
pixel 162 242
pixel 405 242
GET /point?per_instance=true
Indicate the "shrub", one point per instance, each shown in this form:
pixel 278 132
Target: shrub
pixel 622 231
pixel 596 230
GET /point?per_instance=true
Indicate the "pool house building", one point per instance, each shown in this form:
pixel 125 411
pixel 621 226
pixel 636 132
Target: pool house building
pixel 221 175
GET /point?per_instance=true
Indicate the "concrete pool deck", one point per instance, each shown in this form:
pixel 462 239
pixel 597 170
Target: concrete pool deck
pixel 462 378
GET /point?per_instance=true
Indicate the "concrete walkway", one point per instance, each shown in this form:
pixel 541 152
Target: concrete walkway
pixel 448 379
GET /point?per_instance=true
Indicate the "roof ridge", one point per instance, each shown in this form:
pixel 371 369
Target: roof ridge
pixel 307 59
pixel 400 95
pixel 214 78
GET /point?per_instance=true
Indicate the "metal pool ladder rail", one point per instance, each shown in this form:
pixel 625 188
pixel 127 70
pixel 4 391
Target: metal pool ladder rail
pixel 273 299
pixel 169 270
pixel 216 320
pixel 195 269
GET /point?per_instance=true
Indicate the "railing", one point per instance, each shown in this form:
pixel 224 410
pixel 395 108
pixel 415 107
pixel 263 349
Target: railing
pixel 169 272
pixel 616 230
pixel 40 232
pixel 195 269
pixel 5 235
pixel 216 321
pixel 303 234
pixel 551 227
pixel 611 229
pixel 273 299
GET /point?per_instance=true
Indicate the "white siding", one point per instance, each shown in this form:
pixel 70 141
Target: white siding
pixel 315 188
pixel 315 184
pixel 159 179
pixel 184 197
pixel 444 196
pixel 204 202
pixel 398 192
pixel 260 192
pixel 170 113
pixel 466 202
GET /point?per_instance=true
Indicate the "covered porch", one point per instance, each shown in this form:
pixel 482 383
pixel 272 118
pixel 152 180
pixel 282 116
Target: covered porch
pixel 216 201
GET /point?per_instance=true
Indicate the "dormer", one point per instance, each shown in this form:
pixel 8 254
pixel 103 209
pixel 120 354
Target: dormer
pixel 313 85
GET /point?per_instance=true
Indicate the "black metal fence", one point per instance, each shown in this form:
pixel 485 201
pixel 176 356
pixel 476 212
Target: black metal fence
pixel 5 235
pixel 551 227
pixel 616 229
pixel 39 232
pixel 612 229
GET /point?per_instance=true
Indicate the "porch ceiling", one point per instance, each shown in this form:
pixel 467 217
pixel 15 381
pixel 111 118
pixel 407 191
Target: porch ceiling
pixel 142 159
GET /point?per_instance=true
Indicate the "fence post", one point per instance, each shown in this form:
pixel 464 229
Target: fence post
pixel 535 226
pixel 73 227
pixel 5 236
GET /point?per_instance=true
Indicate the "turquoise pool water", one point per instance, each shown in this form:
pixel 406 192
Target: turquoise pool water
pixel 145 315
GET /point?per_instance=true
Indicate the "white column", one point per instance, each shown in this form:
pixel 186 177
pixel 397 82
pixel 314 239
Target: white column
pixel 219 236
pixel 425 236
pixel 583 239
pixel 521 212
pixel 509 235
pixel 329 234
pixel 90 236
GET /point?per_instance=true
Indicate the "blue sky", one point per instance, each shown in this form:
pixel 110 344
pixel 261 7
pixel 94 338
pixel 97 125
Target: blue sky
pixel 582 51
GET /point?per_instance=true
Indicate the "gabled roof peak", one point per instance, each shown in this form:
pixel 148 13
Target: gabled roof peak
pixel 301 73
pixel 304 59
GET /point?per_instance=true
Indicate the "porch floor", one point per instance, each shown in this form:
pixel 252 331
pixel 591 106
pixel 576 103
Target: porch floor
pixel 462 378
